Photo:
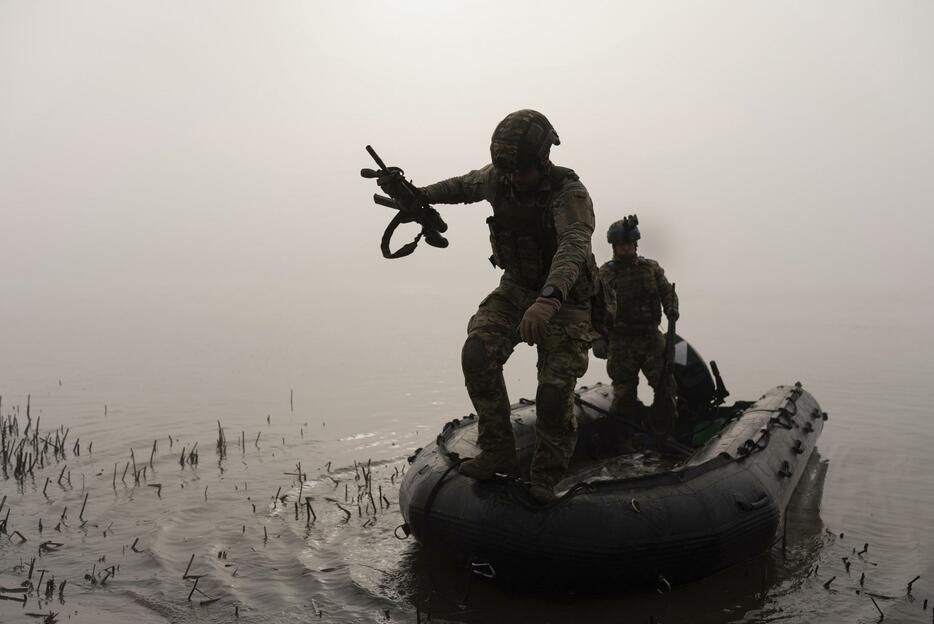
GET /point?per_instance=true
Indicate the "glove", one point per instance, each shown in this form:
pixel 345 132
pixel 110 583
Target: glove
pixel 672 314
pixel 532 325
pixel 393 184
pixel 389 182
pixel 600 348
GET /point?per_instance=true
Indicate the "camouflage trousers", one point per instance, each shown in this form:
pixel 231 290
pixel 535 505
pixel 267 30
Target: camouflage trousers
pixel 492 334
pixel 627 355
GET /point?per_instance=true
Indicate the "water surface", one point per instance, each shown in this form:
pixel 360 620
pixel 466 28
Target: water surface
pixel 348 402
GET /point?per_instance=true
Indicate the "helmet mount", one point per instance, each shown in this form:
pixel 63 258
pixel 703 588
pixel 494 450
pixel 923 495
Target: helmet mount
pixel 625 230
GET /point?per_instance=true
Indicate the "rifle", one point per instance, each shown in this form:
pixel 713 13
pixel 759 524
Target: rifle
pixel 406 198
pixel 661 408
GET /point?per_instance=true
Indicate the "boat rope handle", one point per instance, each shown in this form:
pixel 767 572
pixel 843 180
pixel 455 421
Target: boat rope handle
pixel 405 530
pixel 663 584
pixel 759 503
pixel 484 569
pixel 750 446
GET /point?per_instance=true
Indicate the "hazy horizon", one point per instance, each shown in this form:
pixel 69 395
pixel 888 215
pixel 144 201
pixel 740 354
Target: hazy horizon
pixel 180 180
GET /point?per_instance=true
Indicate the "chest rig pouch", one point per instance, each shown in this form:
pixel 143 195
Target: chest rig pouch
pixel 522 231
pixel 637 299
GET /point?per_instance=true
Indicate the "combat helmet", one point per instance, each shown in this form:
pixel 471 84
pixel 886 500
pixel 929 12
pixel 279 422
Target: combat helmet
pixel 521 140
pixel 624 231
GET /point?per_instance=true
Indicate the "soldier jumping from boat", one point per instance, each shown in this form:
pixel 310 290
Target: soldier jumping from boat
pixel 540 232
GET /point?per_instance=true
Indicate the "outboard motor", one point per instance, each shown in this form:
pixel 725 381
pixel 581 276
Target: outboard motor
pixel 698 389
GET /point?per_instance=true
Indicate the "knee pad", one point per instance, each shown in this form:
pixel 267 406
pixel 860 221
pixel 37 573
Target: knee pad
pixel 474 357
pixel 549 403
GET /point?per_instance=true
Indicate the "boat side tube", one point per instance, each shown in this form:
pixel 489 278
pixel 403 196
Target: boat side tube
pixel 720 507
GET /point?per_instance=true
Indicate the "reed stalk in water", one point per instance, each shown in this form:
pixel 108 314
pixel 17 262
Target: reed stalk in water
pixel 83 505
pixel 221 441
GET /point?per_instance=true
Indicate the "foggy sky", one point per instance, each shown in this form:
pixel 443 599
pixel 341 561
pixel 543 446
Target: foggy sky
pixel 185 168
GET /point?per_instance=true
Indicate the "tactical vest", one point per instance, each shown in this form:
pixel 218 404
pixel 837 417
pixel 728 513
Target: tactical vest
pixel 523 236
pixel 638 302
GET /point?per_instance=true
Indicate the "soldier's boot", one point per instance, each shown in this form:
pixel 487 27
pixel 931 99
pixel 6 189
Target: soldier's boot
pixel 495 439
pixel 620 435
pixel 542 494
pixel 488 464
pixel 556 435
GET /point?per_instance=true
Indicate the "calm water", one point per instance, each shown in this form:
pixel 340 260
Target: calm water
pixel 329 396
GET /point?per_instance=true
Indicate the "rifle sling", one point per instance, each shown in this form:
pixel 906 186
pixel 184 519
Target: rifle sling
pixel 403 251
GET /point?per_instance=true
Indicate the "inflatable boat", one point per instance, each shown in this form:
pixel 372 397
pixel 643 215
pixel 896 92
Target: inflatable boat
pixel 708 496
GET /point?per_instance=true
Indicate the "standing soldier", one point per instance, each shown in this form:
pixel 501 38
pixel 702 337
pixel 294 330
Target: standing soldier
pixel 540 232
pixel 642 292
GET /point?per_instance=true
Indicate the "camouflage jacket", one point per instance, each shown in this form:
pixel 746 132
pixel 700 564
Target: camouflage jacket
pixel 641 290
pixel 540 239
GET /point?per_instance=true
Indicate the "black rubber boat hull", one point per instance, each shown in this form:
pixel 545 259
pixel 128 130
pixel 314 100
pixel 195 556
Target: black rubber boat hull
pixel 721 507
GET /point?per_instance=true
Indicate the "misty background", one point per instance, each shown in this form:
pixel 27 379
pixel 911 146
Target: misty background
pixel 182 216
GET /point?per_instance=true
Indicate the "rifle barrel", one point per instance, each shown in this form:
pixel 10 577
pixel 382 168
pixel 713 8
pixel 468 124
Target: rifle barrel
pixel 376 158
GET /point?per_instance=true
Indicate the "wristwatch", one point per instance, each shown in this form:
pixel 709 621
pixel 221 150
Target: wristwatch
pixel 550 292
